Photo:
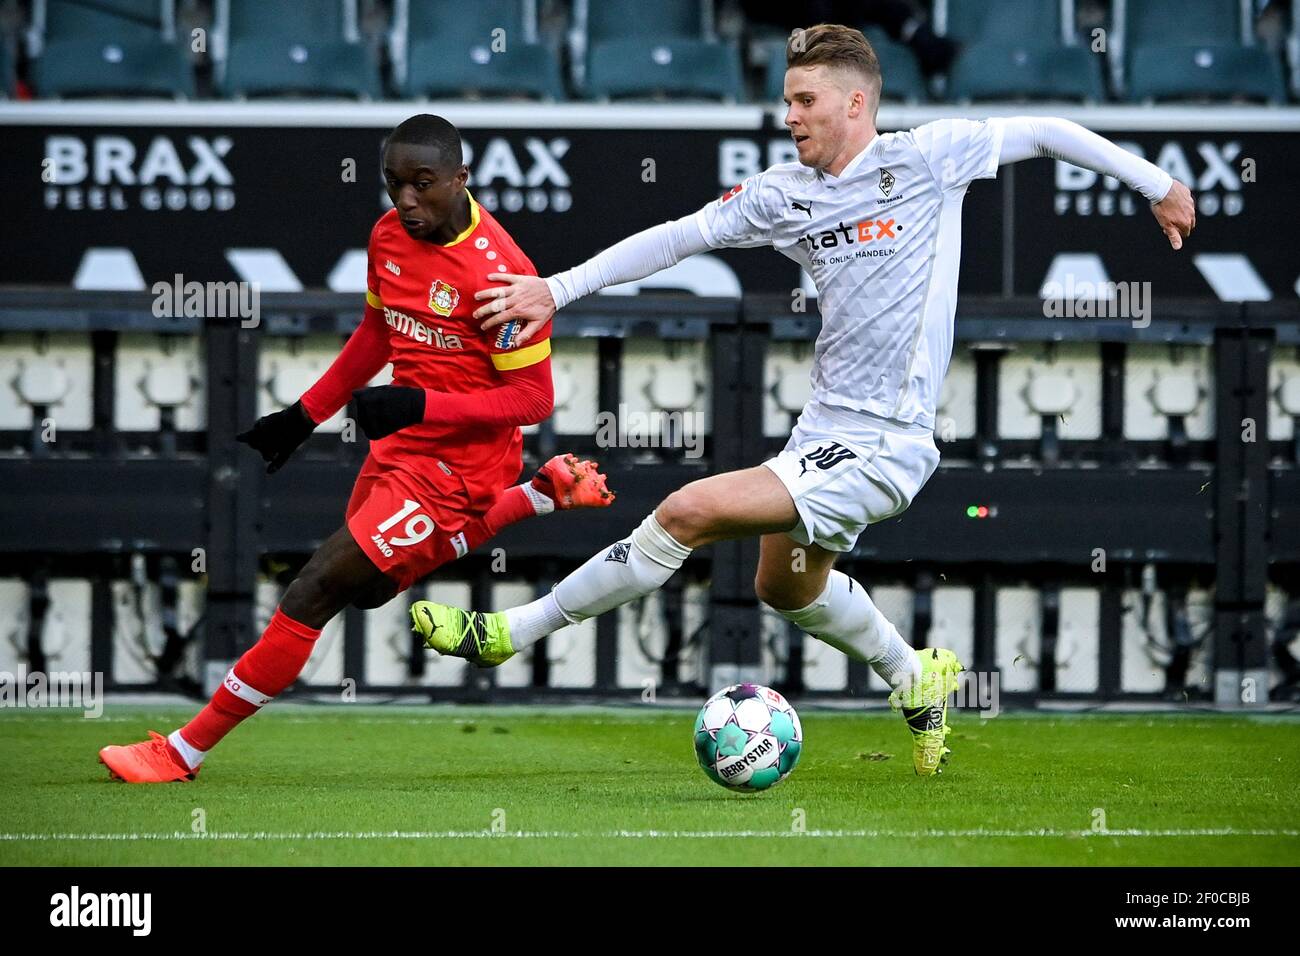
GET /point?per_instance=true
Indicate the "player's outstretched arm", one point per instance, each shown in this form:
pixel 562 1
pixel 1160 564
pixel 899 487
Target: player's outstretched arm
pixel 1025 137
pixel 277 436
pixel 533 301
pixel 526 397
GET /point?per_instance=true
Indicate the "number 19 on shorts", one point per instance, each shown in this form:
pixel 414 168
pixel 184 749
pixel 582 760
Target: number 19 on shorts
pixel 417 528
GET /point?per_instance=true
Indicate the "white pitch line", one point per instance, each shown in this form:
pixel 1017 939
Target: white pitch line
pixel 629 835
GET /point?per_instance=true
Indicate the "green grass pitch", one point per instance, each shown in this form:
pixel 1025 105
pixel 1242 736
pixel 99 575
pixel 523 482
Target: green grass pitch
pixel 369 785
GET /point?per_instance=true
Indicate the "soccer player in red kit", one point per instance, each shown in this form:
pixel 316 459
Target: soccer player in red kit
pixel 445 440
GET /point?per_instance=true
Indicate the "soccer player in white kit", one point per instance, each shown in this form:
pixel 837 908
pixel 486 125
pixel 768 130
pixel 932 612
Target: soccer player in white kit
pixel 875 220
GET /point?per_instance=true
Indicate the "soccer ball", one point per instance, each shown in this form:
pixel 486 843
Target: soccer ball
pixel 747 737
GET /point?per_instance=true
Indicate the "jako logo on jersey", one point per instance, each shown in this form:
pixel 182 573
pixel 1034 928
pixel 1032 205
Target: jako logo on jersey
pixel 506 334
pixel 392 267
pixel 419 331
pixel 869 230
pixel 825 457
pixel 886 182
pixel 382 545
pixel 734 190
pixel 442 297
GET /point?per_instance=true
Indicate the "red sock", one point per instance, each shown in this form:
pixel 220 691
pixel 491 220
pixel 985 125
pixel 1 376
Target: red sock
pixel 513 505
pixel 266 669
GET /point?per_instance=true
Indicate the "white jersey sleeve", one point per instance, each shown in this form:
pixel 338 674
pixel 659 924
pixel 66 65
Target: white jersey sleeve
pixel 1025 137
pixel 743 216
pixel 639 255
pixel 957 151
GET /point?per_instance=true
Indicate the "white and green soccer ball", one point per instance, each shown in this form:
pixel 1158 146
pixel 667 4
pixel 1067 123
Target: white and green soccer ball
pixel 747 737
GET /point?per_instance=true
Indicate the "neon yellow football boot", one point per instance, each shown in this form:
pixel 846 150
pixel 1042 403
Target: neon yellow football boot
pixel 481 638
pixel 925 708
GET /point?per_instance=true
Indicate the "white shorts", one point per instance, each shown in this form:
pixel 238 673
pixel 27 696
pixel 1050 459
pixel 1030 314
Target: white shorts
pixel 847 469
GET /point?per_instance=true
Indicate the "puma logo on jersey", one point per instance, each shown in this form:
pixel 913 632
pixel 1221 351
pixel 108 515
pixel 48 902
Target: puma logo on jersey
pixel 392 267
pixel 795 204
pixel 825 457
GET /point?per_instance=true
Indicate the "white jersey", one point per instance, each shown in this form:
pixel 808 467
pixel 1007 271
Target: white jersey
pixel 882 242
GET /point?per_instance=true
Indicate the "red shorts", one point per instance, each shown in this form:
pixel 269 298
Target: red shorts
pixel 407 524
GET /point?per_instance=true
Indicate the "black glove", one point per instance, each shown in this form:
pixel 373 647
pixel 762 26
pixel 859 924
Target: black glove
pixel 276 436
pixel 385 409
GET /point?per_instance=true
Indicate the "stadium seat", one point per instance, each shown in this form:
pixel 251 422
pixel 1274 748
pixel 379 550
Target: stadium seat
pixel 645 34
pixel 989 70
pixel 1195 49
pixel 120 48
pixel 310 48
pixel 1176 22
pixel 625 19
pixel 635 68
pixel 902 76
pixel 448 48
pixel 108 68
pixel 6 70
pixel 1009 22
pixel 292 68
pixel 1015 49
pixel 1205 71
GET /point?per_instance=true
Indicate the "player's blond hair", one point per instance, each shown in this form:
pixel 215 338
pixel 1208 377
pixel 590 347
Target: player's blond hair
pixel 840 48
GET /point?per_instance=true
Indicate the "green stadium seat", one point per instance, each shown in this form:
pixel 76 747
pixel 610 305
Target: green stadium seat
pixel 115 48
pixel 1007 22
pixel 1014 49
pixel 689 68
pixel 1175 22
pixel 988 71
pixel 6 70
pixel 307 48
pixel 299 20
pixel 1205 72
pixel 72 68
pixel 117 20
pixel 449 50
pixel 522 70
pixel 281 67
pixel 625 19
pixel 1194 50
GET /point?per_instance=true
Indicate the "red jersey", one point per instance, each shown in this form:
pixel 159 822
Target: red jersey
pixel 426 293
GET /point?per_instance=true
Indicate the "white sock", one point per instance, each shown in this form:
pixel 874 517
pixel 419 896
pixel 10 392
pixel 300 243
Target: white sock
pixel 542 505
pixel 622 572
pixel 845 617
pixel 531 622
pixel 192 756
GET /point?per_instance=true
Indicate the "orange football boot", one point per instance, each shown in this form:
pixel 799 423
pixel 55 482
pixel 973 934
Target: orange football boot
pixel 150 761
pixel 571 483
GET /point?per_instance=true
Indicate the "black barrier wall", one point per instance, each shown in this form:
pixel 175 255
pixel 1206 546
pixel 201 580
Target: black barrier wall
pixel 1169 514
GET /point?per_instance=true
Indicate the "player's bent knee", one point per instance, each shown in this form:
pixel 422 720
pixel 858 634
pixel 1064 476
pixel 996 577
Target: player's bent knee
pixel 376 595
pixel 686 515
